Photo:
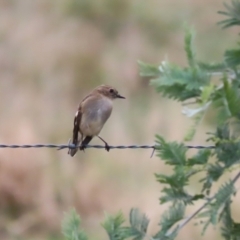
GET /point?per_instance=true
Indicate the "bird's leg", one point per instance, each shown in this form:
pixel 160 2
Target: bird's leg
pixel 106 145
pixel 85 142
pixel 81 144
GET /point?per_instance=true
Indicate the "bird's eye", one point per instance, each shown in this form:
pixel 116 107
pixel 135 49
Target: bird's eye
pixel 111 90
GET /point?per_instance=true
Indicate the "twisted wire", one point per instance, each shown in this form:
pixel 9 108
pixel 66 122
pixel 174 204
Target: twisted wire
pixel 63 146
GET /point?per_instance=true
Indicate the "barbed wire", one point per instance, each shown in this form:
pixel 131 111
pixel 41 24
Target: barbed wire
pixel 72 146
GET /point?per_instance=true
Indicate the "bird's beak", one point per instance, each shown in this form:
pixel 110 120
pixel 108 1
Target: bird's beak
pixel 119 96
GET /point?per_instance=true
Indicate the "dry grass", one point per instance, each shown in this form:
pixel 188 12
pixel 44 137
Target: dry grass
pixel 51 54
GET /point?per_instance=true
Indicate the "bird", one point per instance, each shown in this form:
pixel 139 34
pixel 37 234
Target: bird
pixel 92 114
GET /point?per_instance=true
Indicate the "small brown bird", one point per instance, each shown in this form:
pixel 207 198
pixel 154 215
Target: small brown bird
pixel 92 113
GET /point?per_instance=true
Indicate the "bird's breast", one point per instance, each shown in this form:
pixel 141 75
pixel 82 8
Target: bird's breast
pixel 94 117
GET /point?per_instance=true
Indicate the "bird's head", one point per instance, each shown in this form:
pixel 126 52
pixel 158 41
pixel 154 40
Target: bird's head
pixel 109 92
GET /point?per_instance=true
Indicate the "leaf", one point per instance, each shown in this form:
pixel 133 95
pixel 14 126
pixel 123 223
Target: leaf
pixel 206 94
pixel 232 57
pixel 177 91
pixel 219 103
pixel 200 158
pixel 177 181
pixel 137 230
pixel 189 47
pixel 233 12
pixel 198 113
pixel 230 229
pixel 222 133
pixel 222 198
pixel 228 152
pixel 227 100
pixel 175 195
pixel 212 67
pixel 223 195
pixel 139 224
pixel 113 226
pixel 214 172
pixel 180 83
pixel 233 99
pixel 227 148
pixel 172 153
pixel 170 217
pixel 70 226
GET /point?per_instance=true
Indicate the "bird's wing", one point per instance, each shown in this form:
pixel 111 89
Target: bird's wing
pixel 76 128
pixel 76 125
pixel 78 118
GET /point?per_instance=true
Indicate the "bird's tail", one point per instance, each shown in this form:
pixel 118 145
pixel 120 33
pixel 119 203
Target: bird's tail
pixel 75 140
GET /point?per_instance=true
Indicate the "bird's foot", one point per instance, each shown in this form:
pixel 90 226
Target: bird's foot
pixel 82 148
pixel 107 148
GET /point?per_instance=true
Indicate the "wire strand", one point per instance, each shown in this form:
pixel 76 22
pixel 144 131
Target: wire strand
pixel 72 146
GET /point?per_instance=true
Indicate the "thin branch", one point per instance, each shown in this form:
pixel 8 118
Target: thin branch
pixel 188 219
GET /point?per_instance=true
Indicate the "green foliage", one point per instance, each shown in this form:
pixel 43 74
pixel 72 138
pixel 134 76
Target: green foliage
pixel 227 154
pixel 230 229
pixel 198 82
pixel 189 48
pixel 177 82
pixel 232 57
pixel 227 100
pixel 227 147
pixel 137 229
pixel 172 153
pixel 70 227
pixel 215 209
pixel 175 192
pixel 113 226
pixel 138 224
pixel 201 157
pixel 209 86
pixel 233 13
pixel 194 82
pixel 213 173
pixel 212 67
pixel 184 83
pixel 169 219
pixel 180 83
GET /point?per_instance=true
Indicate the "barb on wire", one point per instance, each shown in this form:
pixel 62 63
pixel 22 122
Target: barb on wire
pixel 63 146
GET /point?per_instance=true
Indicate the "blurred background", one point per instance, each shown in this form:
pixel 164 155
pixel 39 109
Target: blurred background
pixel 52 53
